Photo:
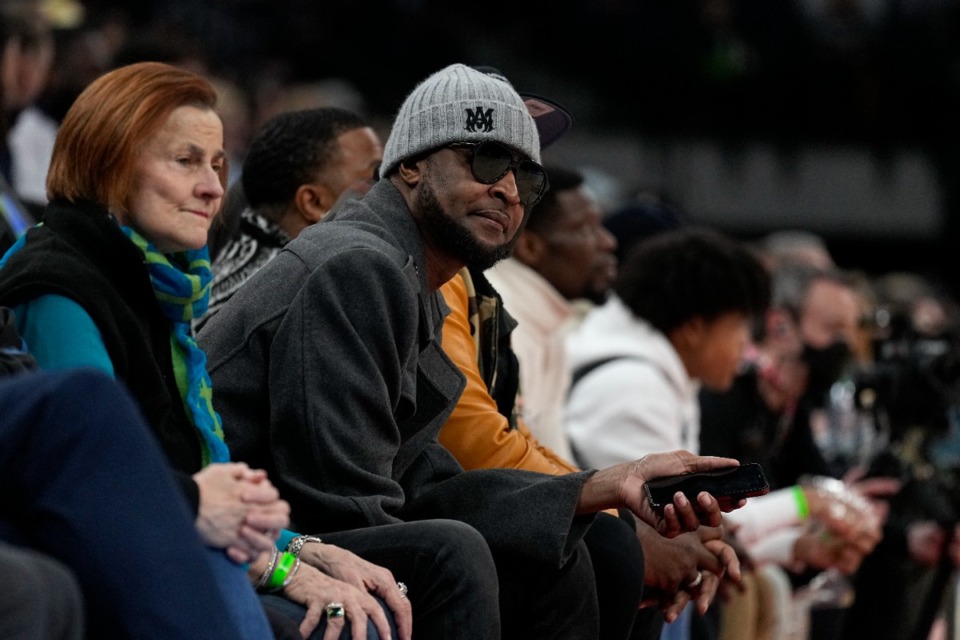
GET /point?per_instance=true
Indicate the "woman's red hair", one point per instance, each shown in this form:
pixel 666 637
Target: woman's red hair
pixel 95 154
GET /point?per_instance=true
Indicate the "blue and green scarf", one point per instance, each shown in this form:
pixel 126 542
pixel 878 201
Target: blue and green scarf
pixel 183 294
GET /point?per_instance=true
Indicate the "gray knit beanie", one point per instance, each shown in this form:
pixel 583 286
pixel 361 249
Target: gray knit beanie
pixel 460 104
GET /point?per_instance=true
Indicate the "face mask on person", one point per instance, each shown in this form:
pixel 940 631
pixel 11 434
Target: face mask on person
pixel 825 365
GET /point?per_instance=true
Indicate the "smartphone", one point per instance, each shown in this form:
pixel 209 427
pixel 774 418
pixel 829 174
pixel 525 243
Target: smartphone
pixel 727 485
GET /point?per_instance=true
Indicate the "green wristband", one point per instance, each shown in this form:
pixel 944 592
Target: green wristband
pixel 803 508
pixel 279 575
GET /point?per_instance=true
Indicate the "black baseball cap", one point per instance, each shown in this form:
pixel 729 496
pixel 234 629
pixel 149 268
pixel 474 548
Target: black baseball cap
pixel 552 118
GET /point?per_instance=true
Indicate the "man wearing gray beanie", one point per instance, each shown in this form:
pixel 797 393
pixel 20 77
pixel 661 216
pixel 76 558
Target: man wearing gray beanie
pixel 330 373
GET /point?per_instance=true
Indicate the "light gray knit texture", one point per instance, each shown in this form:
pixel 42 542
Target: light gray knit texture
pixel 459 104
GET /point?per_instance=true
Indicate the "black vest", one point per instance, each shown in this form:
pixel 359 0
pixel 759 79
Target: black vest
pixel 80 252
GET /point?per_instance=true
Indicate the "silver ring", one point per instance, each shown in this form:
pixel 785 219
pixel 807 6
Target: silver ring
pixel 693 584
pixel 335 610
pixel 403 589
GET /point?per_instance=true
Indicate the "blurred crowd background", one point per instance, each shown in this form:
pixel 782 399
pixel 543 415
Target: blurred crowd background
pixel 835 121
pixel 834 116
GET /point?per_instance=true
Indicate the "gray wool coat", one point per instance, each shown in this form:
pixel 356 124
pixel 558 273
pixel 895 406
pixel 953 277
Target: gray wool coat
pixel 328 371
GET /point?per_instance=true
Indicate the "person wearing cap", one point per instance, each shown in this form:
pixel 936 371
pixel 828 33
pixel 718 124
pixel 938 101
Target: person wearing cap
pixel 331 374
pixel 485 430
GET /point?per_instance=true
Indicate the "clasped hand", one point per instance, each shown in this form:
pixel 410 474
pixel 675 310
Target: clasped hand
pixel 240 510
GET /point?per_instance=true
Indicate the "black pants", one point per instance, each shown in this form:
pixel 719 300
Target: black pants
pixel 595 594
pixel 449 573
pixel 618 569
pixel 548 603
pixel 648 625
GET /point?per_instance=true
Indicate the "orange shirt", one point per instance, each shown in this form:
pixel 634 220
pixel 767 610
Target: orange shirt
pixel 476 433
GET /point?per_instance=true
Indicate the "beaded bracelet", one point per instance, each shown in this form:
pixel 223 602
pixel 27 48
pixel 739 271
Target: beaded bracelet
pixel 279 575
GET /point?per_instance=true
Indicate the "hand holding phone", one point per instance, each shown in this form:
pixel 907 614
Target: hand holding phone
pixel 622 486
pixel 728 485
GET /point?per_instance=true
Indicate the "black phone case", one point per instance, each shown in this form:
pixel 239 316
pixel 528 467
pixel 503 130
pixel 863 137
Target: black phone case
pixel 744 481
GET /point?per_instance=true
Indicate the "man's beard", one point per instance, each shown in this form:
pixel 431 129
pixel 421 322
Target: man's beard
pixel 455 238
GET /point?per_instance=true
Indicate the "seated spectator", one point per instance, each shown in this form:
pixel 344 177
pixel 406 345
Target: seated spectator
pixel 351 308
pixel 19 35
pixel 296 167
pixel 800 349
pixel 680 318
pixel 112 279
pixel 32 130
pixel 563 254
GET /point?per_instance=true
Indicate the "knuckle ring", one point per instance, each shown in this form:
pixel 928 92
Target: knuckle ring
pixel 696 581
pixel 403 589
pixel 335 610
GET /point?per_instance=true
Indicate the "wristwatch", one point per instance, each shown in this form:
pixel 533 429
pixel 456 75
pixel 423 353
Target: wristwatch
pixel 297 543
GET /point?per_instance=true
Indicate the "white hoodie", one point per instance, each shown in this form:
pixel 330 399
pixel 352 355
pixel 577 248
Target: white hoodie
pixel 644 401
pixel 641 402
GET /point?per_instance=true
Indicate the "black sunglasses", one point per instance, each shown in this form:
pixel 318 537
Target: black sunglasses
pixel 490 161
